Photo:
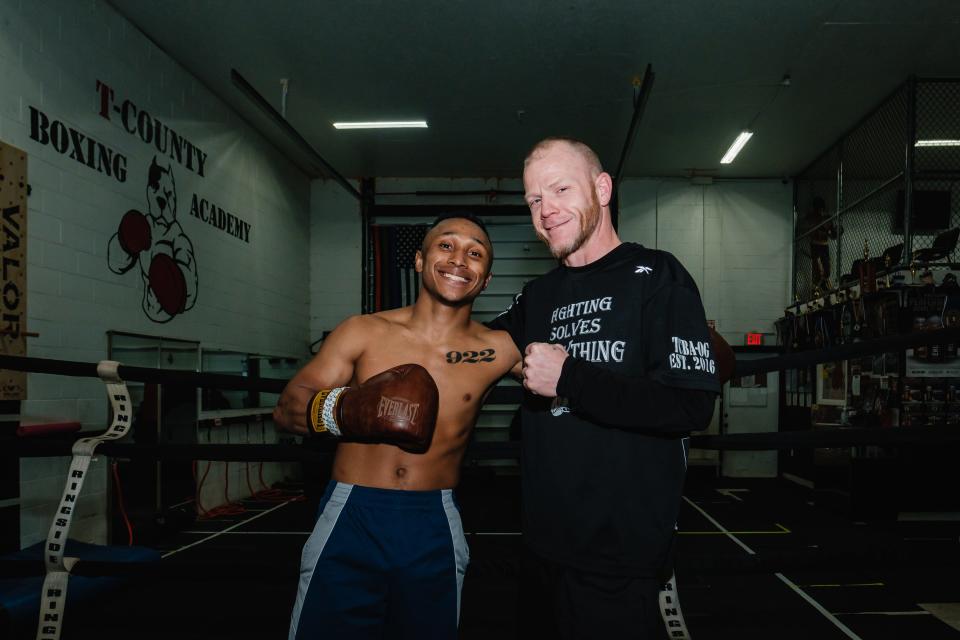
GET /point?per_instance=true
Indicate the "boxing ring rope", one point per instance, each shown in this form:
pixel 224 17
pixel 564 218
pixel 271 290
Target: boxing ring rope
pixel 182 377
pixel 320 451
pixel 323 451
pixel 809 358
pixel 57 568
pixel 185 377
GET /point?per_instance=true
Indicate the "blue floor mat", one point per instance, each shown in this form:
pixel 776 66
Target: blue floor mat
pixel 20 597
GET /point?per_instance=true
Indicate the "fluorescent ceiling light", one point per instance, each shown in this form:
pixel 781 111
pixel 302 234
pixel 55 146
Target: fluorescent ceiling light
pixel 397 124
pixel 938 143
pixel 735 148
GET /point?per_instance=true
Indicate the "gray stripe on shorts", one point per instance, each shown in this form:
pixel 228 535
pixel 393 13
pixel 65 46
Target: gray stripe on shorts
pixel 461 552
pixel 314 547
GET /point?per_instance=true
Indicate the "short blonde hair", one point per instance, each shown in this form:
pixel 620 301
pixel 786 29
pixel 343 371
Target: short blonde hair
pixel 582 148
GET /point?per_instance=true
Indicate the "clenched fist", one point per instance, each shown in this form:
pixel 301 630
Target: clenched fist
pixel 542 364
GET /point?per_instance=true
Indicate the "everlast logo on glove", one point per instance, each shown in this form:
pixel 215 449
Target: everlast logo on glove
pixel 398 409
pixel 406 400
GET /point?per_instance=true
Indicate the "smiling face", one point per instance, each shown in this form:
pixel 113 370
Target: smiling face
pixel 563 188
pixel 455 261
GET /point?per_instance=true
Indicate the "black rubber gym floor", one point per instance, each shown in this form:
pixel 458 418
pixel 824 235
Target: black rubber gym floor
pixel 755 559
pixel 808 572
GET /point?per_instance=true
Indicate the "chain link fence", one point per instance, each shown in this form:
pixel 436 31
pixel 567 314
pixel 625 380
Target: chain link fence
pixel 851 200
pixel 936 174
pixel 815 233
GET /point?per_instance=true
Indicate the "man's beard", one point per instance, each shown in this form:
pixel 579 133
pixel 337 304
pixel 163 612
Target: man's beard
pixel 588 222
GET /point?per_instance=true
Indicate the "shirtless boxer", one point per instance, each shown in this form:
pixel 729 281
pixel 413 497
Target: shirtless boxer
pixel 388 554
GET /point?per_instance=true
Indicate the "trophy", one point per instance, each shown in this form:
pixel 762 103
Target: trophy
pixel 868 271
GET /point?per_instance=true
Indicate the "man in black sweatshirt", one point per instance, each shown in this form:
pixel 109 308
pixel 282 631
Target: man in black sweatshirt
pixel 618 370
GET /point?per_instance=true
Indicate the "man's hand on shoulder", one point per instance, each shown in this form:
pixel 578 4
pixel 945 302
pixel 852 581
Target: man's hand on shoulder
pixel 506 350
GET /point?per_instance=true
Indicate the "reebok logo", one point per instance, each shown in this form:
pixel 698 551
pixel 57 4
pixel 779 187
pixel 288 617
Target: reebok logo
pixel 643 269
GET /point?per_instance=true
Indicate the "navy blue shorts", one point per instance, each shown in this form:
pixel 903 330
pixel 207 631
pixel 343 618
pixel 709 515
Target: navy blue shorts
pixel 381 563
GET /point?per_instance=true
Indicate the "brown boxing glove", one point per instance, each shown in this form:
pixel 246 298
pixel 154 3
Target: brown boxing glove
pixel 397 406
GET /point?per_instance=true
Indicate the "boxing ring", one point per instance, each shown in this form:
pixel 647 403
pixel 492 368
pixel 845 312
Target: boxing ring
pixel 58 567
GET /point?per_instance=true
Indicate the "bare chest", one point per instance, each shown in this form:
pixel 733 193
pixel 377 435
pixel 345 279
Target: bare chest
pixel 464 370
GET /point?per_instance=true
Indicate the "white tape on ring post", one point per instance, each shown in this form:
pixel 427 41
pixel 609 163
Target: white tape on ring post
pixel 671 612
pixel 54 593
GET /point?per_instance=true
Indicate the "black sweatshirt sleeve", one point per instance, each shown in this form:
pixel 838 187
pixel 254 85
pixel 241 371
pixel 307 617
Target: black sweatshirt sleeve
pixel 613 399
pixel 675 389
pixel 511 320
pixel 678 351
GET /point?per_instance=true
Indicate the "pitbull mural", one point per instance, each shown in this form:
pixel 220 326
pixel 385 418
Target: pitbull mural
pixel 156 243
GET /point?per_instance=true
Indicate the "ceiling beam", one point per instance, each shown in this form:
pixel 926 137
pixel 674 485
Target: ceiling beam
pixel 641 93
pixel 287 128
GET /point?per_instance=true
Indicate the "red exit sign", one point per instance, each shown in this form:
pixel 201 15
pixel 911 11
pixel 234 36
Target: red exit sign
pixel 754 339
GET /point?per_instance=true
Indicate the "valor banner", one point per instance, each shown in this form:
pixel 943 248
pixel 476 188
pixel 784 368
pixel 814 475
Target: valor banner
pixel 13 244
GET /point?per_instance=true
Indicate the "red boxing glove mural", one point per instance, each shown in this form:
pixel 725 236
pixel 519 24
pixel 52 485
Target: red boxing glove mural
pixel 156 242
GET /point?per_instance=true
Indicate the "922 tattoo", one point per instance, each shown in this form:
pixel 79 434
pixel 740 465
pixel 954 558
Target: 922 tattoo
pixel 471 357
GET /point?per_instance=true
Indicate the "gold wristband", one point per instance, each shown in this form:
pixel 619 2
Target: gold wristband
pixel 315 412
pixel 321 414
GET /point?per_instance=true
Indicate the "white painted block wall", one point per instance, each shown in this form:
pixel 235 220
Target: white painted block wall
pixel 733 237
pixel 252 296
pixel 335 256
